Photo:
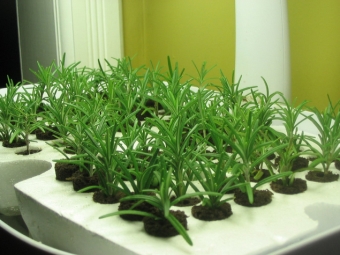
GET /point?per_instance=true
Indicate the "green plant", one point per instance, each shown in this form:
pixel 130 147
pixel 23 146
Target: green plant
pixel 213 178
pixel 129 74
pixel 263 106
pixel 63 73
pixel 173 82
pixel 7 115
pixel 156 83
pixel 161 202
pixel 137 165
pixel 174 140
pixel 95 112
pixel 25 114
pixel 102 148
pixel 46 78
pixel 134 100
pixel 245 142
pixel 202 108
pixel 57 114
pixel 76 82
pixel 202 74
pixel 327 123
pixel 68 121
pixel 291 117
pixel 231 93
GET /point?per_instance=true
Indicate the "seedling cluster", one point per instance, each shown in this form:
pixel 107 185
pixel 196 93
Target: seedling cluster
pixel 152 137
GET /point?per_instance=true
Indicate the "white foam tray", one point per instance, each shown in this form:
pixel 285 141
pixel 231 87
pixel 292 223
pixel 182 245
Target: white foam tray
pixel 61 218
pixel 66 220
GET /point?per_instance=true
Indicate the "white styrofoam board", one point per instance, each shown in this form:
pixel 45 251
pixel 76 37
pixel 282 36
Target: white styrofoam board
pixel 265 229
pixel 287 220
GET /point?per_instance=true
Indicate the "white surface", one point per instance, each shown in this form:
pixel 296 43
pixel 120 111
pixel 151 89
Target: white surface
pixel 14 172
pixel 15 168
pixel 288 220
pixel 262 45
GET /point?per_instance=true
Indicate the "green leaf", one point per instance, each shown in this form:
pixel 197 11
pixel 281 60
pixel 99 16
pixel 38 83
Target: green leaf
pixel 179 227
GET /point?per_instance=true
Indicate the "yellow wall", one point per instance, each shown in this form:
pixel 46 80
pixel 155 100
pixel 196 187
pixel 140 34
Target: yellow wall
pixel 185 30
pixel 315 50
pixel 133 30
pixel 204 30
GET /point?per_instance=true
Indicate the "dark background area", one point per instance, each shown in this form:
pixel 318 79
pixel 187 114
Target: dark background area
pixel 12 245
pixel 9 56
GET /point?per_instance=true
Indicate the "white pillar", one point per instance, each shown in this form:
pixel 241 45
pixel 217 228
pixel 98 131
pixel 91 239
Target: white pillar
pixel 262 45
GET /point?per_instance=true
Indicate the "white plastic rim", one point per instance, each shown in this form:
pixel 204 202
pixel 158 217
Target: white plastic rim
pixel 262 45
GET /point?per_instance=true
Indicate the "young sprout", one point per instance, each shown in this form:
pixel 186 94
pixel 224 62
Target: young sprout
pixel 173 79
pixel 327 148
pixel 156 83
pixel 69 119
pixel 57 114
pixel 128 74
pixel 25 114
pixel 231 94
pixel 291 117
pixel 135 99
pixel 202 73
pixel 213 178
pixel 63 74
pixel 161 203
pixel 46 79
pixel 202 108
pixel 7 106
pixel 136 163
pixel 100 148
pixel 245 141
pixel 263 105
pixel 174 140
